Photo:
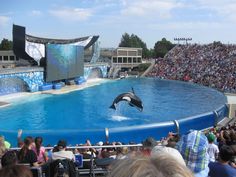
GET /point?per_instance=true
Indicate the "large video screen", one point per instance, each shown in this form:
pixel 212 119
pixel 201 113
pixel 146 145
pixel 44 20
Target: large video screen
pixel 64 61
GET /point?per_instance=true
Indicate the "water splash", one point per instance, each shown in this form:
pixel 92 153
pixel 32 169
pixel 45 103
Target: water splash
pixel 119 118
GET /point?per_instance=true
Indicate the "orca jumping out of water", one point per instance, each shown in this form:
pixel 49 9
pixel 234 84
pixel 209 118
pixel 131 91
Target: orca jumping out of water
pixel 131 98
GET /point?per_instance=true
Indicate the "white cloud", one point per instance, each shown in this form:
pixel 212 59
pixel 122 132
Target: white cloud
pixel 226 9
pixel 185 26
pixel 160 8
pixel 36 13
pixel 72 14
pixel 4 20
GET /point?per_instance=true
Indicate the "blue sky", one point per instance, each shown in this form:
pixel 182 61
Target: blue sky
pixel 204 21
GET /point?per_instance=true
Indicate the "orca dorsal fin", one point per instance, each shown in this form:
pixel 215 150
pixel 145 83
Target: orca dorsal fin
pixel 132 89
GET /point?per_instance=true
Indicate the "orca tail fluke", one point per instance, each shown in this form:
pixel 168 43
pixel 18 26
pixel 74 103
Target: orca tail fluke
pixel 112 106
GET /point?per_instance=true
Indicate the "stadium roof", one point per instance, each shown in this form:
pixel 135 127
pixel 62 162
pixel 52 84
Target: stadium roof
pixel 83 41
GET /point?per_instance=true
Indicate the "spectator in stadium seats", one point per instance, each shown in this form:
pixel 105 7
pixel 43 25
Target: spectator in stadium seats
pixel 15 171
pixel 108 152
pixel 172 139
pixel 193 148
pixel 222 167
pixel 26 154
pixel 99 150
pixel 40 150
pixel 91 150
pixel 216 65
pixel 62 153
pixel 233 159
pixel 162 165
pixel 148 145
pixel 232 135
pixel 9 158
pixel 134 150
pixel 212 149
pixel 20 142
pixel 121 152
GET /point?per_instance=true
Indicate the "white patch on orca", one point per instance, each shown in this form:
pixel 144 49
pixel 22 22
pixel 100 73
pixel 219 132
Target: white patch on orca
pixel 126 98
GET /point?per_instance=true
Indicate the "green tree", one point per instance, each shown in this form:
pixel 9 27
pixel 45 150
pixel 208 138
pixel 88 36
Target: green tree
pixel 134 41
pixel 6 44
pixel 162 47
pixel 125 40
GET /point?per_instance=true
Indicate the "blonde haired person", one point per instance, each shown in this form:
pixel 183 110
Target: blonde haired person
pixel 3 148
pixel 162 165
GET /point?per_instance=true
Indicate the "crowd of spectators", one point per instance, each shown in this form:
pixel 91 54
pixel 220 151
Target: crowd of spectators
pixel 201 154
pixel 212 65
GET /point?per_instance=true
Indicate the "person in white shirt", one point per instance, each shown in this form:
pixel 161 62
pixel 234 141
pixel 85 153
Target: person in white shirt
pixel 62 153
pixel 212 149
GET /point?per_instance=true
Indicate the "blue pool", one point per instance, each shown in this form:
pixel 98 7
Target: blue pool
pixel 84 114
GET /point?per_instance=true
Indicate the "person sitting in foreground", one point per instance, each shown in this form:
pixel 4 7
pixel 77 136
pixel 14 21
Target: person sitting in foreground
pixel 193 148
pixel 162 165
pixel 62 153
pixel 26 154
pixel 15 171
pixel 222 168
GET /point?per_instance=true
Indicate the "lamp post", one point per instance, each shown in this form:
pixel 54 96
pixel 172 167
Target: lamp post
pixel 182 39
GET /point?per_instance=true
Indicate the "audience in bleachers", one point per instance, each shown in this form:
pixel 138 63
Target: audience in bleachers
pixel 195 150
pixel 212 65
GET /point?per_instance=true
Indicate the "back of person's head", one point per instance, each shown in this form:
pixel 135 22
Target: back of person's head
pixel 15 171
pixel 226 153
pixel 28 141
pixel 233 136
pixel 139 166
pixel 2 145
pixel 38 143
pixel 149 143
pixel 9 158
pixel 25 148
pixel 211 137
pixel 61 144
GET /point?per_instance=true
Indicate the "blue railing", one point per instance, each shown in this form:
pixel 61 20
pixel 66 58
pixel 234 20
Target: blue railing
pixel 131 133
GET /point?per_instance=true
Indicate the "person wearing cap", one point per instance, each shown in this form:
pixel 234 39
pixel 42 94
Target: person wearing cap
pixel 193 148
pixel 212 149
pixel 62 153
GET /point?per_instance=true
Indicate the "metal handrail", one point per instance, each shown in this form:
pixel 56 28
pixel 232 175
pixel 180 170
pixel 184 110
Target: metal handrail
pixel 88 147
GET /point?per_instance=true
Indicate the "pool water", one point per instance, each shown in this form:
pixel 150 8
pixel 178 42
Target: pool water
pixel 88 109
